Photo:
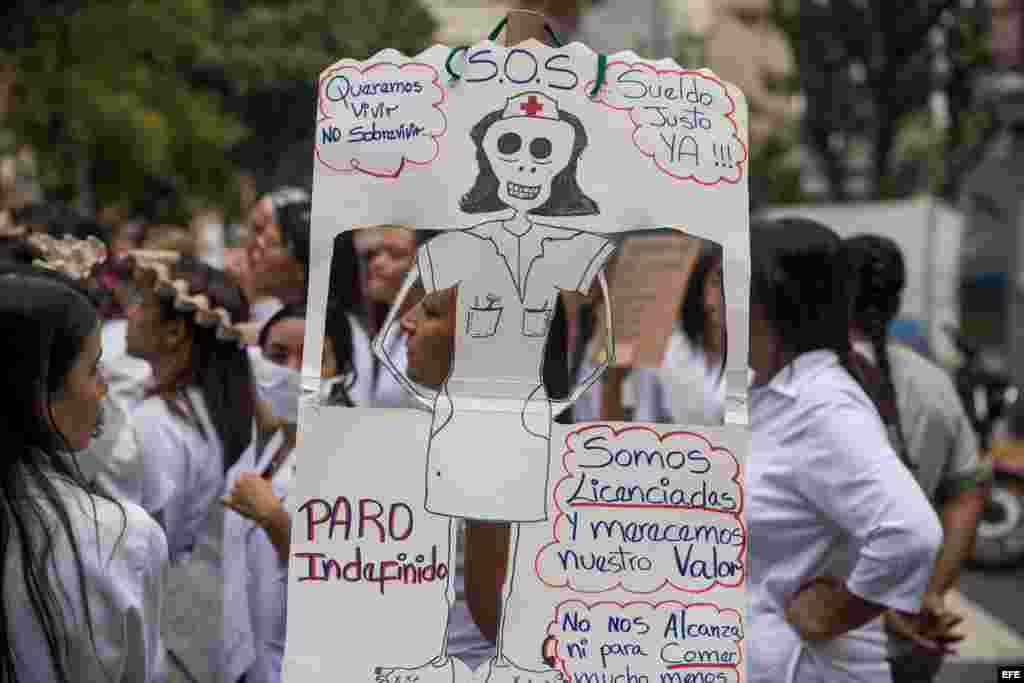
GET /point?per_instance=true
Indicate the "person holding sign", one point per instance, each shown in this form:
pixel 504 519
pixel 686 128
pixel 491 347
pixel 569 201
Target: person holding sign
pixel 491 293
pixel 841 531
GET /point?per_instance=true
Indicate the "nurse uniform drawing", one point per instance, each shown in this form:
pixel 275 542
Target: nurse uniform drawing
pixel 489 447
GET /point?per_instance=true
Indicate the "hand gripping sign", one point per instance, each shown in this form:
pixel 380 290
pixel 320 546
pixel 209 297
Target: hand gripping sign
pixel 531 162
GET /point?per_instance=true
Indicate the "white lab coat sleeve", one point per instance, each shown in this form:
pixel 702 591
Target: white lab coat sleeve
pixel 854 478
pixel 143 614
pixel 125 591
pixel 112 460
pixel 162 453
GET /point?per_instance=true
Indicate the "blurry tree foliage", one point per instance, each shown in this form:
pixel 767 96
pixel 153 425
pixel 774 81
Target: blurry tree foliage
pixel 868 71
pixel 127 100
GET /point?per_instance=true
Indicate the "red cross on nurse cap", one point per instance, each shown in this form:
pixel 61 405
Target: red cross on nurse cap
pixel 534 105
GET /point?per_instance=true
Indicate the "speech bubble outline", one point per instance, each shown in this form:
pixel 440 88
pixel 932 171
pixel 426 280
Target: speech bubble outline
pixel 354 165
pixel 638 126
pixel 569 475
pixel 554 631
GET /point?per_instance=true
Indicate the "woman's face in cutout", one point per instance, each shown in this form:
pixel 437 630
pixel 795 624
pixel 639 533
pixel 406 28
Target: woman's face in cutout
pixel 389 257
pixel 284 343
pixel 526 154
pixel 430 326
pixel 75 409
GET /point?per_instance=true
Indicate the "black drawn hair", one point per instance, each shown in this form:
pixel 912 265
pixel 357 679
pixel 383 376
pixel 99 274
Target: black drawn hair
pixel 45 320
pixel 878 277
pixel 567 198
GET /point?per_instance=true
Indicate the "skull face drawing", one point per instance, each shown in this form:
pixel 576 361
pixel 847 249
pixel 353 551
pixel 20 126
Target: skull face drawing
pixel 527 153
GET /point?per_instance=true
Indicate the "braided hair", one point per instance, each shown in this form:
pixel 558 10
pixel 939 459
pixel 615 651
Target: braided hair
pixel 879 276
pixel 218 368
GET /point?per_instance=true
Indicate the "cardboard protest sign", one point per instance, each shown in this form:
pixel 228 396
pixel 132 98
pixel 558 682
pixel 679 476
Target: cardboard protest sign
pixel 627 559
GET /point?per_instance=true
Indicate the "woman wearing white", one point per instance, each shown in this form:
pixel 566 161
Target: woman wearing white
pixel 82 574
pixel 839 530
pixel 257 539
pixel 688 388
pixel 194 425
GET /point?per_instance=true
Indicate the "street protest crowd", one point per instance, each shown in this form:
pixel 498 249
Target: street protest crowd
pixel 150 405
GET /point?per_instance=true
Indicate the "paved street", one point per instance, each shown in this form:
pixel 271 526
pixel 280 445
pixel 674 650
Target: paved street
pixel 993 602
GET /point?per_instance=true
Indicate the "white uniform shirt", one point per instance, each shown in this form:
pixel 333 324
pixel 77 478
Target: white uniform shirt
pixel 636 390
pixel 822 483
pixel 124 559
pixel 684 390
pixel 111 462
pixel 255 579
pixel 182 469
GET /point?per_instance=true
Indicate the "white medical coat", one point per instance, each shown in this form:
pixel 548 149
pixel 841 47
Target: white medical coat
pixel 826 494
pixel 124 559
pixel 183 470
pixel 685 390
pixel 255 579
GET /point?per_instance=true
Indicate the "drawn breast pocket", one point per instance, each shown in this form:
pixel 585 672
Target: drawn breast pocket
pixel 535 321
pixel 484 317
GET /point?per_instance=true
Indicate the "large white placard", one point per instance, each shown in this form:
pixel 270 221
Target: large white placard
pixel 628 553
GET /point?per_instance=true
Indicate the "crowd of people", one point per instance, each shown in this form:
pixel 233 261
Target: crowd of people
pixel 151 406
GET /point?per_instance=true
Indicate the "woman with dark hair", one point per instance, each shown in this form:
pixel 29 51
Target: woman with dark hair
pixel 277 251
pixel 340 378
pixel 689 386
pixel 927 422
pixel 198 417
pixel 842 531
pixel 257 539
pixel 82 574
pixel 388 253
pixel 348 362
pixel 195 424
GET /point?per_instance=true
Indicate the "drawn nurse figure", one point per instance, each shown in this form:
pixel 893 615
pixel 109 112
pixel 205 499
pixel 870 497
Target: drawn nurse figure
pixel 489 447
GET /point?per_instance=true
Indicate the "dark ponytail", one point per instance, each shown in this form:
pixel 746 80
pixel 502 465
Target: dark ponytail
pixel 800 274
pixel 219 368
pixel 879 276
